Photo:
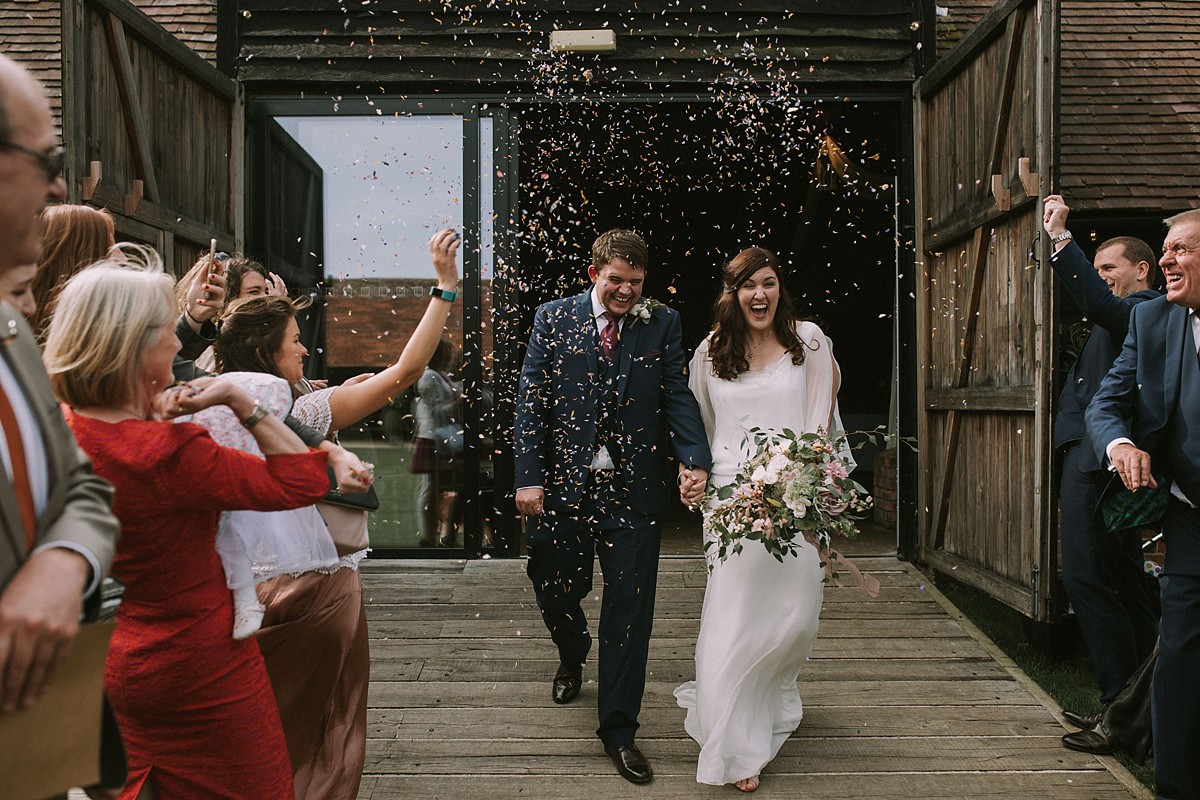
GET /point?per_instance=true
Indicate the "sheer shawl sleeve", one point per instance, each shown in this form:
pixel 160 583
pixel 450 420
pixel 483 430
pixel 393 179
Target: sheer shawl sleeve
pixel 824 380
pixel 699 374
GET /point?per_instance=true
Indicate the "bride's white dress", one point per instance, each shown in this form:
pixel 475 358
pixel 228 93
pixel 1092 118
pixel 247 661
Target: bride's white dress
pixel 760 616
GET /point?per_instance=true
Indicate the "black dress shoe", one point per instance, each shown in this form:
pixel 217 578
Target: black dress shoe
pixel 566 684
pixel 1085 721
pixel 630 762
pixel 1097 741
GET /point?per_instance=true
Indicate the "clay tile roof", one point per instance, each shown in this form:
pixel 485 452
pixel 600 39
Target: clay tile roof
pixel 31 34
pixel 959 17
pixel 193 22
pixel 1130 104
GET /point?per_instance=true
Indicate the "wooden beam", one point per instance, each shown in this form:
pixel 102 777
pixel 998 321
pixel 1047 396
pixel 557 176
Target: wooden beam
pixel 978 267
pixel 514 48
pixel 151 213
pixel 949 65
pixel 1021 399
pixel 131 104
pixel 1012 60
pixel 1006 591
pixel 970 217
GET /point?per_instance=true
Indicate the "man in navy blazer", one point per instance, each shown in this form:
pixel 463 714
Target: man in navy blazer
pixel 1146 415
pixel 1102 569
pixel 603 398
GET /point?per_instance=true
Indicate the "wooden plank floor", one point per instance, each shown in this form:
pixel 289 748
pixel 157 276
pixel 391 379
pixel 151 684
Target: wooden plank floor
pixel 903 698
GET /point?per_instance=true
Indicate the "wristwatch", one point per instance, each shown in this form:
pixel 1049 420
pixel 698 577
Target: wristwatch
pixel 443 294
pixel 255 416
pixel 1062 237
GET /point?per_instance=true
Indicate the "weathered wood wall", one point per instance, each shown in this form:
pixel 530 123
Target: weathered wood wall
pixel 162 125
pixel 433 43
pixel 985 348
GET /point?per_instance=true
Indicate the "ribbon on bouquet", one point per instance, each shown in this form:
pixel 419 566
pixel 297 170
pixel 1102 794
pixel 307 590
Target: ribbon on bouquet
pixel 862 580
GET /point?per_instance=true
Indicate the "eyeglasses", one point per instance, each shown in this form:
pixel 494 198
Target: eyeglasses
pixel 51 161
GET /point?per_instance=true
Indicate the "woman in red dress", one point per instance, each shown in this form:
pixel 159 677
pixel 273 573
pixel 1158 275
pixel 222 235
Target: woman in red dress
pixel 195 706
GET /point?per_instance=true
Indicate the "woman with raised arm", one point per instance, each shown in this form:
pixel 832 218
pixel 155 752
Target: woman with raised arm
pixel 195 707
pixel 314 632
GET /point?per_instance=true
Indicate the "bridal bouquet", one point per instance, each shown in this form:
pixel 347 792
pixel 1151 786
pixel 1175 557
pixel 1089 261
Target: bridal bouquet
pixel 795 485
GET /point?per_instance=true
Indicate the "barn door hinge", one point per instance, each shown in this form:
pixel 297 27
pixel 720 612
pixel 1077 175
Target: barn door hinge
pixel 1033 610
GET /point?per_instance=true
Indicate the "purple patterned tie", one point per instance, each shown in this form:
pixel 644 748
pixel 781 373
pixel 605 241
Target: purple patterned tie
pixel 608 335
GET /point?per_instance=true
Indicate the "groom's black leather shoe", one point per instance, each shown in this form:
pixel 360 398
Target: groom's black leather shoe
pixel 1097 741
pixel 630 762
pixel 1085 721
pixel 566 684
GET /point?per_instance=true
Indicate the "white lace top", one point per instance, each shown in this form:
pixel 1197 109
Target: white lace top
pixel 277 542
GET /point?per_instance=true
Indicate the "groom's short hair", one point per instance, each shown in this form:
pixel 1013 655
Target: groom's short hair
pixel 620 243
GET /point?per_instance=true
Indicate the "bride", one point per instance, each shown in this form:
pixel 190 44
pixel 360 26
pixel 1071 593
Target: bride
pixel 758 368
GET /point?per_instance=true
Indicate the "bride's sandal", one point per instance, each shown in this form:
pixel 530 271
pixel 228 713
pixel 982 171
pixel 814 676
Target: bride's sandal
pixel 747 784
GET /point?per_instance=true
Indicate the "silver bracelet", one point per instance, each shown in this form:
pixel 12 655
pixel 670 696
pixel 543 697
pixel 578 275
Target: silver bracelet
pixel 1062 237
pixel 255 416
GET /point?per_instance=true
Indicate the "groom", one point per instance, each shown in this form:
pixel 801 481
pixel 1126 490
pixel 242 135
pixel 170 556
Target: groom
pixel 603 389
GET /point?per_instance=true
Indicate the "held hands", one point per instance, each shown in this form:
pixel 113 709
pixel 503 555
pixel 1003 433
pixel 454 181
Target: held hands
pixel 443 249
pixel 1133 466
pixel 199 394
pixel 692 481
pixel 529 501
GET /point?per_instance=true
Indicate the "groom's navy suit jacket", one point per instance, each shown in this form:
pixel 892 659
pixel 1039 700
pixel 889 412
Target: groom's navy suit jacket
pixel 558 406
pixel 1139 398
pixel 1111 317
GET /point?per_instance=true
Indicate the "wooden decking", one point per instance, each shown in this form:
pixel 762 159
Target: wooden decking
pixel 903 698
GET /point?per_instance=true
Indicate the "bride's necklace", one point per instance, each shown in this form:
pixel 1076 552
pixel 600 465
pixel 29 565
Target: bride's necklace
pixel 750 347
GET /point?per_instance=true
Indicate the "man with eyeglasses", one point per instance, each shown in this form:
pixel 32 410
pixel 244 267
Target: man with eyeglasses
pixel 1147 414
pixel 57 531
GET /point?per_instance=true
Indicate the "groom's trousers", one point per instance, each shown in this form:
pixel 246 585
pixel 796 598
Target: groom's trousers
pixel 562 552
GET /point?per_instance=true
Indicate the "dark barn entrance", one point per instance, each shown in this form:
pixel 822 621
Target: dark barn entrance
pixel 700 180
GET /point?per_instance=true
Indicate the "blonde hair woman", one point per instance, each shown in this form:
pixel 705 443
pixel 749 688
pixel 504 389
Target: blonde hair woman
pixel 195 707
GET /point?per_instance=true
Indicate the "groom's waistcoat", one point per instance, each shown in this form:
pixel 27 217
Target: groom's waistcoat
pixel 569 402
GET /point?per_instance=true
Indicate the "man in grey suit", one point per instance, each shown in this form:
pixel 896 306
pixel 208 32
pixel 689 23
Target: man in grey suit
pixel 57 531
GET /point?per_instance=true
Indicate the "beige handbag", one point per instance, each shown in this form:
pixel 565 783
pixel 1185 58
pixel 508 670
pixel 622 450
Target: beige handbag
pixel 346 517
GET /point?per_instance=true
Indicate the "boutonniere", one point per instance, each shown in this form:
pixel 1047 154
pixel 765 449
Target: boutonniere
pixel 642 310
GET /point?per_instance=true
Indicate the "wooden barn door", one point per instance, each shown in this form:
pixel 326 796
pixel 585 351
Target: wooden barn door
pixel 152 130
pixel 983 155
pixel 285 223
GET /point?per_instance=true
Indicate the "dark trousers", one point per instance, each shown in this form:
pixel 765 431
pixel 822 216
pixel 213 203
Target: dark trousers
pixel 1105 580
pixel 1176 693
pixel 562 549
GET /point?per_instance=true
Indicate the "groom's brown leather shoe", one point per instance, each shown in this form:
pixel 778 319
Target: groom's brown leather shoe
pixel 566 684
pixel 1097 741
pixel 1085 721
pixel 630 762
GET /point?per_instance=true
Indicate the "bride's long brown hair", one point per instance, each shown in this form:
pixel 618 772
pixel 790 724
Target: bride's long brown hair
pixel 727 347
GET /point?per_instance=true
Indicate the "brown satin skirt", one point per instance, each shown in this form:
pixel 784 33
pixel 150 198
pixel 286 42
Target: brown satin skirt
pixel 314 642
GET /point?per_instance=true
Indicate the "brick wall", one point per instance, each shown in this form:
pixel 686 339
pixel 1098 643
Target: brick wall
pixel 368 321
